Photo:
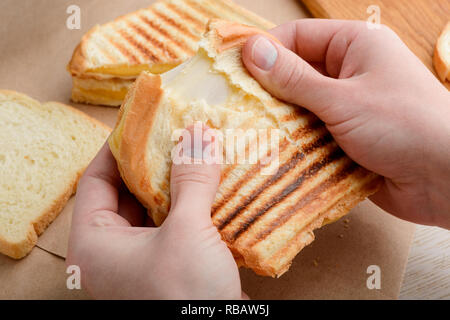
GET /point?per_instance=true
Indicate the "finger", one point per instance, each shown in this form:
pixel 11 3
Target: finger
pixel 97 199
pixel 193 184
pixel 288 77
pixel 319 40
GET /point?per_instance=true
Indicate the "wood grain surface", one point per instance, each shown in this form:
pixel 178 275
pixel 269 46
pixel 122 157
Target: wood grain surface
pixel 417 22
pixel 427 273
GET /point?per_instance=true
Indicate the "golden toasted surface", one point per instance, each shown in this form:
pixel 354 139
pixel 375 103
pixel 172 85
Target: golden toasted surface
pixel 154 39
pixel 265 219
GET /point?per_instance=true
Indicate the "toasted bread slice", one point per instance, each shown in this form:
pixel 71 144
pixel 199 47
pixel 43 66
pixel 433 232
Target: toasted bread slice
pixel 44 150
pixel 265 219
pixel 441 57
pixel 154 39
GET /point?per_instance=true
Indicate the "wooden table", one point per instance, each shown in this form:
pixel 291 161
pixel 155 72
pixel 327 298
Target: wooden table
pixel 428 270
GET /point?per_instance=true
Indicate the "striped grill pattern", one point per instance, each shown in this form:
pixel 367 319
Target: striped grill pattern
pixel 167 33
pixel 264 219
pixel 252 211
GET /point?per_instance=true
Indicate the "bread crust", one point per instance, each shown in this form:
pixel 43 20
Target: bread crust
pixel 232 34
pixel 439 61
pixel 131 150
pixel 39 225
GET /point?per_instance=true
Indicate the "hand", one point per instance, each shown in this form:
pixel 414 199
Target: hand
pixel 120 257
pixel 380 103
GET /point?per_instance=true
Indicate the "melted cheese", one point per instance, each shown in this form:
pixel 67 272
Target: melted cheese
pixel 126 70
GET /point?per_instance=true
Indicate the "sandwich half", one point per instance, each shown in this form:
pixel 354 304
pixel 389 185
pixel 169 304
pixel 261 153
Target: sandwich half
pixel 44 149
pixel 265 216
pixel 155 39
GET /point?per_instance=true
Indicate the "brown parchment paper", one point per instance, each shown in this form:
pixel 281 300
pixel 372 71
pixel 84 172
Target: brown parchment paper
pixel 35 47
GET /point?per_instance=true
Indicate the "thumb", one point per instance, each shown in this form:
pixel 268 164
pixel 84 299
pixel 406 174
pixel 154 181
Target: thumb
pixel 194 177
pixel 288 77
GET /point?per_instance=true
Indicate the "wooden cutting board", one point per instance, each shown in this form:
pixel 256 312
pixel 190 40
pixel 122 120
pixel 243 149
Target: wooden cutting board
pixel 417 22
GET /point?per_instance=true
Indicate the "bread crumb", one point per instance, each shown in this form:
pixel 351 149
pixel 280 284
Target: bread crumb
pixel 341 236
pixel 315 263
pixel 346 226
pixel 346 220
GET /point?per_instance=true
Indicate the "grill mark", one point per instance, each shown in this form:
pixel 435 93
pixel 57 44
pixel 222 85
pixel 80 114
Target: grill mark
pixel 319 142
pixel 174 24
pixel 183 46
pixel 185 16
pixel 315 123
pixel 298 113
pixel 122 49
pixel 146 52
pixel 310 172
pixel 309 197
pixel 202 10
pixel 307 149
pixel 155 42
pixel 297 156
pixel 252 172
pixel 309 127
pixel 228 169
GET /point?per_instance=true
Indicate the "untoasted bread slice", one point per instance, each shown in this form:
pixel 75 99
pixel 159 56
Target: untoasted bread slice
pixel 154 39
pixel 44 149
pixel 265 219
pixel 441 57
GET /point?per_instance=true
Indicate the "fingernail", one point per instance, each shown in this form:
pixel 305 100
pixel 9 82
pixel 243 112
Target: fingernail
pixel 264 54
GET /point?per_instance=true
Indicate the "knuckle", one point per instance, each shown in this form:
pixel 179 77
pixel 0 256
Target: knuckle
pixel 291 78
pixel 191 176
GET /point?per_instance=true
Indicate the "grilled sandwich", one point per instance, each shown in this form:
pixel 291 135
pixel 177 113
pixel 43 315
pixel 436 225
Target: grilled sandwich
pixel 265 218
pixel 156 39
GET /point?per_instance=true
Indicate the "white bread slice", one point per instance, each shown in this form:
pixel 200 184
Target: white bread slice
pixel 265 219
pixel 441 57
pixel 44 148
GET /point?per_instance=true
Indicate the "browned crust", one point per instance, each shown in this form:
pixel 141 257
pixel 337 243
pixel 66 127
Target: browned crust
pixel 132 162
pixel 77 64
pixel 294 246
pixel 38 226
pixel 233 34
pixel 442 69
